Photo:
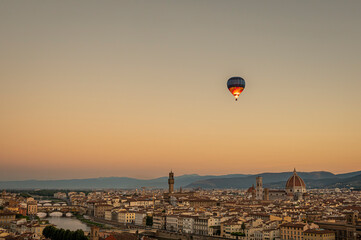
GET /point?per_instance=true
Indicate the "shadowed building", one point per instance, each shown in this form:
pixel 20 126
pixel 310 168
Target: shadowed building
pixel 266 194
pixel 199 202
pixel 344 230
pixel 6 218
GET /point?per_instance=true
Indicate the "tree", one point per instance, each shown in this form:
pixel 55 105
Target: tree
pixel 243 226
pixel 79 235
pixel 237 234
pixel 48 231
pixel 149 221
pixel 60 234
pixel 67 234
pixel 56 235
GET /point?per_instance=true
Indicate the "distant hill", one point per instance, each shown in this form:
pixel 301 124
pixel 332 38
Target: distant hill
pixel 348 175
pixel 320 179
pixel 336 182
pixel 354 181
pixel 278 180
pixel 246 182
pixel 107 183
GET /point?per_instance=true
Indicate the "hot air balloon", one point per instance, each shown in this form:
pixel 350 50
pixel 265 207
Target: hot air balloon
pixel 236 85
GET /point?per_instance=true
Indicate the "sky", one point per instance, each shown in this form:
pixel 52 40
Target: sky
pixel 137 88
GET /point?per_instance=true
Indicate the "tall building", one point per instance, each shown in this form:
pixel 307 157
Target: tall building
pixel 32 208
pixel 171 182
pixel 259 188
pixel 94 233
pixel 266 194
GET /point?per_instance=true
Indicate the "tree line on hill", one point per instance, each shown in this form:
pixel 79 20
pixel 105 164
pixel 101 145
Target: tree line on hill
pixel 60 234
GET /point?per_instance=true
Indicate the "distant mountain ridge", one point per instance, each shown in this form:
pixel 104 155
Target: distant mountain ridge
pixel 319 179
pixel 245 182
pixel 108 182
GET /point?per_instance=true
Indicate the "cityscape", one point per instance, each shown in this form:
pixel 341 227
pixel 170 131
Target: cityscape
pixel 180 119
pixel 256 213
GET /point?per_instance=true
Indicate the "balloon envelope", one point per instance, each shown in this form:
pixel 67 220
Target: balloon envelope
pixel 236 86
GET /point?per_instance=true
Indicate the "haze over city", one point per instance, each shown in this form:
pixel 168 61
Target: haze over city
pixel 137 88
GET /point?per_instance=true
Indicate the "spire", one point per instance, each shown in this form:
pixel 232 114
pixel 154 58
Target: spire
pixel 294 171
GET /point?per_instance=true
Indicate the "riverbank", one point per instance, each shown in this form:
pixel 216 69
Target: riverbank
pixel 90 222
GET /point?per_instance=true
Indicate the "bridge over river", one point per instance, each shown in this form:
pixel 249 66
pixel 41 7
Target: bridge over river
pixel 44 211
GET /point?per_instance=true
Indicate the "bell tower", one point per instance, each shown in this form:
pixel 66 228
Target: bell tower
pixel 171 182
pixel 259 188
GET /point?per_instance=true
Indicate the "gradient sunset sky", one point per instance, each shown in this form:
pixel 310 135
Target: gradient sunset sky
pixel 136 88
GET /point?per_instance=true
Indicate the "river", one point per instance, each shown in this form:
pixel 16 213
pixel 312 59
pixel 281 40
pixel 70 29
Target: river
pixel 70 223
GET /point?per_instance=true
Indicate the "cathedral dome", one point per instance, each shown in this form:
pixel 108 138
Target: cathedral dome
pixel 295 182
pixel 251 189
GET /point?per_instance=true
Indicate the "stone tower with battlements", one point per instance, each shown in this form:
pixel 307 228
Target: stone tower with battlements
pixel 171 182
